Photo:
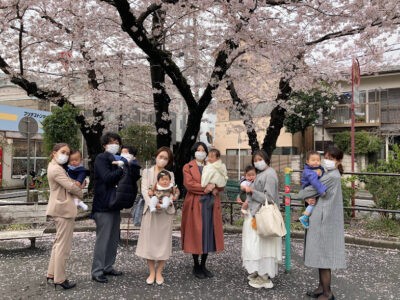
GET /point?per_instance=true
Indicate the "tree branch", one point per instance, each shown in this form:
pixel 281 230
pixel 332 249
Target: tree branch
pixel 242 108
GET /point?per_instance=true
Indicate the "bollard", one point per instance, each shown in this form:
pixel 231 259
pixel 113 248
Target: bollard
pixel 288 171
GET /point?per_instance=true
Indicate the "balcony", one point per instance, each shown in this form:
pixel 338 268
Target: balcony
pixel 366 115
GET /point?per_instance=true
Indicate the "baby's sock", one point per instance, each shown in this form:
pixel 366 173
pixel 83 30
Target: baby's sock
pixel 83 205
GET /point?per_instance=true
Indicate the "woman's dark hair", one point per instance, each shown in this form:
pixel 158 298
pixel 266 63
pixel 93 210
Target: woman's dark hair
pixel 261 153
pixel 132 150
pixel 108 137
pixel 336 154
pixel 309 153
pixel 196 145
pixel 162 174
pixel 170 156
pixel 249 168
pixel 57 147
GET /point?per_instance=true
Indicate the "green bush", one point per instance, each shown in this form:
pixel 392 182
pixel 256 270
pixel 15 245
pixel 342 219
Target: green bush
pixel 143 138
pixel 347 192
pixel 365 142
pixel 61 127
pixel 385 189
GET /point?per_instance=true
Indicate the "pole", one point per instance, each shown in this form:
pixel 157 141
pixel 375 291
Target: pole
pixel 288 171
pixel 239 156
pixel 28 156
pixel 355 82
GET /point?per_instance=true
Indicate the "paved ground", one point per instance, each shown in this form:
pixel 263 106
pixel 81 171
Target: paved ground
pixel 371 274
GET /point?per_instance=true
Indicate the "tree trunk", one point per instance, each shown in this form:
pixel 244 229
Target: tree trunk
pixel 161 98
pixel 277 118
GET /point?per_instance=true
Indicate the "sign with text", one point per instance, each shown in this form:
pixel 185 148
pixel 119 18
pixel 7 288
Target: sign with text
pixel 10 117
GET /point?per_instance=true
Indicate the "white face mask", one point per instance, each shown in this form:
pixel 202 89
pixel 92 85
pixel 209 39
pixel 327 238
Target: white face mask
pixel 61 158
pixel 260 165
pixel 127 156
pixel 328 164
pixel 200 155
pixel 112 148
pixel 160 162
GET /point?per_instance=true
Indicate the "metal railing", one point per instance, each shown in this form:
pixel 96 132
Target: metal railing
pixel 366 114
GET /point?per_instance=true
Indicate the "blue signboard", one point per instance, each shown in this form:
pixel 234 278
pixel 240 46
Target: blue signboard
pixel 11 115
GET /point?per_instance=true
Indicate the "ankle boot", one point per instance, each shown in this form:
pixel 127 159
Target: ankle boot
pixel 198 272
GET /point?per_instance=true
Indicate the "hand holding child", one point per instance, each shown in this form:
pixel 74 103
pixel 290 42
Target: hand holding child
pixel 119 163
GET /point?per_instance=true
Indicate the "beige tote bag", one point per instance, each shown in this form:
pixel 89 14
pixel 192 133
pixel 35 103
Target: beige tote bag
pixel 269 221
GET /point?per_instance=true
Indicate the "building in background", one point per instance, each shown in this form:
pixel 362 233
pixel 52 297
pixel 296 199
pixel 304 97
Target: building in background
pixel 378 110
pixel 15 105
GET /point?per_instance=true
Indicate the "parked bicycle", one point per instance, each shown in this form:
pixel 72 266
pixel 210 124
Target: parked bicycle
pixel 35 180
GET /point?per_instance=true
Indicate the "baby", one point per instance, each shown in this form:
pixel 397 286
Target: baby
pixel 77 172
pixel 163 192
pixel 214 171
pixel 311 174
pixel 248 178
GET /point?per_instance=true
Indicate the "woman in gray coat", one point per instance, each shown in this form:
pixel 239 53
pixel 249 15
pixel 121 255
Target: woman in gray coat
pixel 324 241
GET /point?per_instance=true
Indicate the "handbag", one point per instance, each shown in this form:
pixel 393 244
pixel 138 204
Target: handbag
pixel 269 221
pixel 137 212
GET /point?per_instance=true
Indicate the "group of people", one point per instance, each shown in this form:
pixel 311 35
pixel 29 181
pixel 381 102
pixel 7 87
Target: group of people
pixel 204 177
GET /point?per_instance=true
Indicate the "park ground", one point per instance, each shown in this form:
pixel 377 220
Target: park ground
pixel 372 273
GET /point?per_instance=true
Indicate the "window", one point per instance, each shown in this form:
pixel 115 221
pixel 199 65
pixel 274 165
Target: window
pixel 37 161
pixel 285 151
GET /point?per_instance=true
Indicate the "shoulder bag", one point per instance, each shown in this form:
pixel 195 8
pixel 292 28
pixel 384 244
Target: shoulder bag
pixel 269 221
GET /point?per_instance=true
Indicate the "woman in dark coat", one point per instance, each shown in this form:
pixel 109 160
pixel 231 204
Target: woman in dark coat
pixel 201 228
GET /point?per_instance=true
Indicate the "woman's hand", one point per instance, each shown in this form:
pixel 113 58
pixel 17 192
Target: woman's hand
pixel 238 200
pixel 245 205
pixel 151 193
pixel 248 190
pixel 311 201
pixel 215 191
pixel 209 188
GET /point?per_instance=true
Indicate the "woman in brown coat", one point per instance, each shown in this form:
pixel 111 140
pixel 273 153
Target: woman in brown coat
pixel 201 227
pixel 62 209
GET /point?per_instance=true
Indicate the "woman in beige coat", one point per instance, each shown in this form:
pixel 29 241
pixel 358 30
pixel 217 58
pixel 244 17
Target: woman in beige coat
pixel 155 237
pixel 62 209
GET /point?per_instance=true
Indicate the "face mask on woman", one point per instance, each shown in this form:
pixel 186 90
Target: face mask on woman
pixel 61 158
pixel 160 162
pixel 260 165
pixel 112 148
pixel 328 164
pixel 200 155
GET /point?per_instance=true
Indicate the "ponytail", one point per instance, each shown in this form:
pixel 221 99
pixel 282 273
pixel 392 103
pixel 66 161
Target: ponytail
pixel 340 168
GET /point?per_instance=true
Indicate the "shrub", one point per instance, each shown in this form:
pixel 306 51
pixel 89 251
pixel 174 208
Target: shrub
pixel 385 189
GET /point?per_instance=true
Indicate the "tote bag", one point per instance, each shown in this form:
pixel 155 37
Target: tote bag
pixel 269 221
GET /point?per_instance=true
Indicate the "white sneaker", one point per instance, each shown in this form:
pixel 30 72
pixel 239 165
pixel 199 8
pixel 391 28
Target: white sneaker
pixel 252 276
pixel 260 282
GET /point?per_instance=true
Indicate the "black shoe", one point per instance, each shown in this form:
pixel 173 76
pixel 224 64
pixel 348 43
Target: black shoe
pixel 313 294
pixel 198 272
pixel 66 285
pixel 100 278
pixel 207 272
pixel 113 273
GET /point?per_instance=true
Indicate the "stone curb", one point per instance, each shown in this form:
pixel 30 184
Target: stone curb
pixel 294 234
